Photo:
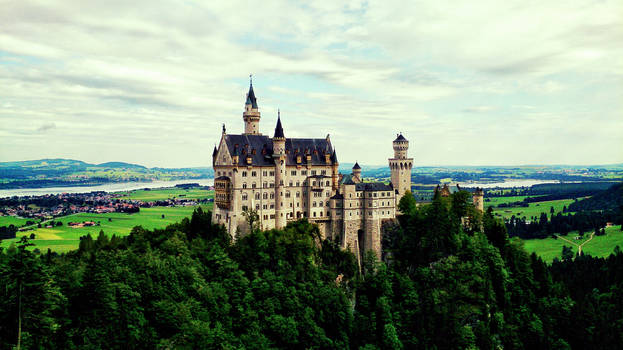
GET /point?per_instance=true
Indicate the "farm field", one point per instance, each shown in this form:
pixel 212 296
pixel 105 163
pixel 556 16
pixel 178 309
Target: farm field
pixel 534 209
pixel 13 220
pixel 602 246
pixel 495 201
pixel 165 193
pixel 64 238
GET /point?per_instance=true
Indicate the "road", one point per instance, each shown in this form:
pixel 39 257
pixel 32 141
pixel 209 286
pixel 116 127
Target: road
pixel 577 245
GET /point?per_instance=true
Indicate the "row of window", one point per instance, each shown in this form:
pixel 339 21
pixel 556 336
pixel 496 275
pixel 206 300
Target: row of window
pixel 291 184
pixel 371 194
pixel 254 173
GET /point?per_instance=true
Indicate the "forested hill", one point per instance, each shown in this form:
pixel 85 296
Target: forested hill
pixel 69 172
pixel 440 286
pixel 610 199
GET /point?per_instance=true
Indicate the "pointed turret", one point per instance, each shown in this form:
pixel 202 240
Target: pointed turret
pixel 251 115
pixel 279 128
pixel 357 172
pixel 214 152
pixel 251 100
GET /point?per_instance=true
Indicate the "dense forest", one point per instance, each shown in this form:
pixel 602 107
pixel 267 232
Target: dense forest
pixel 450 278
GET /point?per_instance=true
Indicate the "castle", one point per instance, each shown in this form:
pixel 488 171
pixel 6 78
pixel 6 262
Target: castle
pixel 285 179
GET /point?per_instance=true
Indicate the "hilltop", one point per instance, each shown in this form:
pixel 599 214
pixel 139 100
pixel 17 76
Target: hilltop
pixel 70 172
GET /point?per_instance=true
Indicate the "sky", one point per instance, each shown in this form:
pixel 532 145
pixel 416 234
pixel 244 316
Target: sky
pixel 467 82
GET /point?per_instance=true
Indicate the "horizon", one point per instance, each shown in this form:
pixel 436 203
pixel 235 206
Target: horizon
pixel 363 165
pixel 514 84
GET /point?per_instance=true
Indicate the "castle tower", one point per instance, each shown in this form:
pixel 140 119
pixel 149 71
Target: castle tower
pixel 251 115
pixel 356 172
pixel 479 199
pixel 335 175
pixel 279 155
pixel 400 166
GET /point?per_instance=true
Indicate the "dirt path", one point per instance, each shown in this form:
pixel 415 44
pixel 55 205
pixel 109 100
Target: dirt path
pixel 577 245
pixel 581 245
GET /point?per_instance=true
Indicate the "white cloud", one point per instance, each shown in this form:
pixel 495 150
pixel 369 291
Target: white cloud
pixel 151 83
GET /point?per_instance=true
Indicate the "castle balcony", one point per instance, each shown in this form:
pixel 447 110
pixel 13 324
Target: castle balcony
pixel 317 183
pixel 222 192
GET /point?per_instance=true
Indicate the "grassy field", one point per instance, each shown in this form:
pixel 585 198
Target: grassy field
pixel 495 201
pixel 534 209
pixel 165 193
pixel 64 238
pixel 602 246
pixel 13 220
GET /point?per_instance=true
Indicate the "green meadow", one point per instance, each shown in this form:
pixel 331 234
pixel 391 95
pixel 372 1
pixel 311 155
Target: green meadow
pixel 165 193
pixel 534 209
pixel 495 201
pixel 602 246
pixel 64 238
pixel 13 220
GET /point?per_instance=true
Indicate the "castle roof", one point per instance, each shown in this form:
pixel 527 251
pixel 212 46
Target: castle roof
pixel 399 137
pixel 251 100
pixel 356 166
pixel 347 180
pixel 373 186
pixel 260 147
pixel 279 128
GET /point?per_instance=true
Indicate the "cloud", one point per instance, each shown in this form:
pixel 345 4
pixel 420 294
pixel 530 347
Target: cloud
pixel 151 83
pixel 45 127
pixel 478 109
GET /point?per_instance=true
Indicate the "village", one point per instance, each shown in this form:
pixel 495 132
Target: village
pixel 47 207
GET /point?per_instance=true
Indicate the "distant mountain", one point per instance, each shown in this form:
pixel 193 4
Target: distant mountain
pixel 69 172
pixel 120 165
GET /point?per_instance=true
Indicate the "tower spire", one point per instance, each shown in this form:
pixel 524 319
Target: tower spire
pixel 279 128
pixel 251 100
pixel 251 115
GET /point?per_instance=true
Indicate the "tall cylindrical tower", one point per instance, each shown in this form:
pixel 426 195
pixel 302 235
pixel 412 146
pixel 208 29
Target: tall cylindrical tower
pixel 251 115
pixel 357 172
pixel 479 199
pixel 279 156
pixel 400 166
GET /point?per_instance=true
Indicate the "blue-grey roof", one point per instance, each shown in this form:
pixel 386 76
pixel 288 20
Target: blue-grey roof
pixel 244 145
pixel 373 186
pixel 251 97
pixel 400 138
pixel 279 128
pixel 347 180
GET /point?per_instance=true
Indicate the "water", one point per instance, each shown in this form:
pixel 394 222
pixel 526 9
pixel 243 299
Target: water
pixel 111 187
pixel 508 184
pixel 128 186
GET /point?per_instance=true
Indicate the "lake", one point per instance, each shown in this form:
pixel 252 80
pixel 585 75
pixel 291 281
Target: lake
pixel 111 187
pixel 509 183
pixel 128 186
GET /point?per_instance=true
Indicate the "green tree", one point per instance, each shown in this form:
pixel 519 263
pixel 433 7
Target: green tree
pixel 252 218
pixel 407 204
pixel 567 253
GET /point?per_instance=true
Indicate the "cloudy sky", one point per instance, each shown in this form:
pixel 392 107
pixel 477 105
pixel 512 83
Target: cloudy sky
pixel 467 82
